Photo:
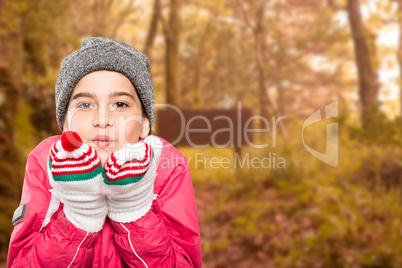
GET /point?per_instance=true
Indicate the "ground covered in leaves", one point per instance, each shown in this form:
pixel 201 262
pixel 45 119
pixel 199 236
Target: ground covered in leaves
pixel 307 215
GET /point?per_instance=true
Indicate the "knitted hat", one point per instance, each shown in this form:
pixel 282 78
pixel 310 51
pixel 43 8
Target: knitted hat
pixel 100 53
pixel 72 160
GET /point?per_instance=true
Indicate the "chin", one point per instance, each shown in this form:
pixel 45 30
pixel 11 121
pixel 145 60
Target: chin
pixel 103 161
pixel 103 156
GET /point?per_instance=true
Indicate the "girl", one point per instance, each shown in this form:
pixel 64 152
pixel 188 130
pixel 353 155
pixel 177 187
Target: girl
pixel 106 193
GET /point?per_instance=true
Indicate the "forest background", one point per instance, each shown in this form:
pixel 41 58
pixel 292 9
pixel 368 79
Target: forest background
pixel 277 58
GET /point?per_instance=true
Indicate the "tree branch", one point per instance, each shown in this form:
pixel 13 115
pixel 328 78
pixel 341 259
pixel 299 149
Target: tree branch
pixel 246 17
pixel 164 24
pixel 153 28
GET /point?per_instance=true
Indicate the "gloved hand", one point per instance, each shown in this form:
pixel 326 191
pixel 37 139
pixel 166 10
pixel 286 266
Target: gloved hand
pixel 75 172
pixel 129 179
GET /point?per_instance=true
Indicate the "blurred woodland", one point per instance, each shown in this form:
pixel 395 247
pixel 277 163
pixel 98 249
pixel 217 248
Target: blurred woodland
pixel 276 57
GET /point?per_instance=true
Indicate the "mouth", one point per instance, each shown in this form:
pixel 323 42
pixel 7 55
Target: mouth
pixel 102 141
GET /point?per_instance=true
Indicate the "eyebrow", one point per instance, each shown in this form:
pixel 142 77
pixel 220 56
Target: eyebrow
pixel 93 96
pixel 121 93
pixel 84 95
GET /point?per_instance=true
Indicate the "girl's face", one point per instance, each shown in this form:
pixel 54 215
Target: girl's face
pixel 105 110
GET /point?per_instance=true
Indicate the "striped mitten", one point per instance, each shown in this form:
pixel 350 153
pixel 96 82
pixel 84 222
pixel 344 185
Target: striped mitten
pixel 75 172
pixel 129 179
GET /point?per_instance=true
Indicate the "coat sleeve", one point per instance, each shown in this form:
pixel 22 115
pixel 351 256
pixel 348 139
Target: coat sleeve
pixel 168 235
pixel 60 243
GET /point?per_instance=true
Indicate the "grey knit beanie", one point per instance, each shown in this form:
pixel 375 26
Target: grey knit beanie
pixel 100 53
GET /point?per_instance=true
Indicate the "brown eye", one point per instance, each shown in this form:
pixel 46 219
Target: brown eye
pixel 121 104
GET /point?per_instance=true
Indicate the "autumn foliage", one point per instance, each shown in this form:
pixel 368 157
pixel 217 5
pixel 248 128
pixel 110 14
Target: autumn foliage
pixel 277 58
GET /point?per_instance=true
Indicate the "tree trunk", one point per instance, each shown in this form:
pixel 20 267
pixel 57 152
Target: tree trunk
pixel 365 61
pixel 197 99
pixel 278 64
pixel 171 31
pixel 103 23
pixel 265 97
pixel 259 54
pixel 153 29
pixel 2 3
pixel 400 53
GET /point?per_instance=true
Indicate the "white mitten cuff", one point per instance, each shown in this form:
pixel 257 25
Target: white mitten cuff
pixel 130 211
pixel 86 211
pixel 90 220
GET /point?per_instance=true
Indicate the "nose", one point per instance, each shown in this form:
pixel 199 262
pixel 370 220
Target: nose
pixel 104 117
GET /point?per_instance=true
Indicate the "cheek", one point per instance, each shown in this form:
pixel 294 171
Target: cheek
pixel 129 132
pixel 79 123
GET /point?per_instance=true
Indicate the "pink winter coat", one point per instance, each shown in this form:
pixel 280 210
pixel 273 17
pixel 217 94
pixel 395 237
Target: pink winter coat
pixel 167 236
